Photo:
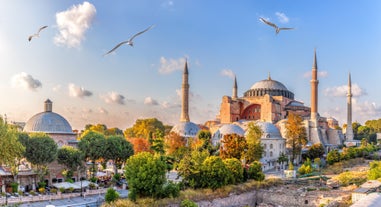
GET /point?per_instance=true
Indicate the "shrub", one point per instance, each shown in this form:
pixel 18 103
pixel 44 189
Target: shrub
pixel 188 203
pixel 170 189
pixel 333 156
pixel 111 195
pixel 32 192
pixel 14 186
pixel 375 170
pixel 41 190
pixel 236 171
pixel 214 172
pixel 255 171
pixel 53 190
pixel 62 189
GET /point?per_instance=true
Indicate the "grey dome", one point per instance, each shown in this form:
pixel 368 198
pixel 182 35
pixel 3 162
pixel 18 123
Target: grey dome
pixel 186 129
pixel 269 84
pixel 269 130
pixel 48 122
pixel 226 129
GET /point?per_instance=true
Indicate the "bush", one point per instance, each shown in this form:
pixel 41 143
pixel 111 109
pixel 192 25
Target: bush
pixel 53 190
pixel 14 186
pixel 41 190
pixel 62 189
pixel 255 171
pixel 111 195
pixel 333 156
pixel 236 171
pixel 214 172
pixel 170 189
pixel 188 203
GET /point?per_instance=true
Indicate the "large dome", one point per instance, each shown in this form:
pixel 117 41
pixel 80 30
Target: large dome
pixel 186 129
pixel 48 122
pixel 269 84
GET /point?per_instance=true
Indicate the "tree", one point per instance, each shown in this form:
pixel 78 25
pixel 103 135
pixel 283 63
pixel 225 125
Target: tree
pixel 191 168
pixel 117 149
pixel 111 195
pixel 11 149
pixel 40 151
pixel 145 174
pixel 157 142
pixel 316 150
pixel 253 138
pixel 232 146
pixel 140 145
pixel 144 127
pixel 92 146
pixel 255 171
pixel 236 170
pixel 70 157
pixel 333 156
pixel 214 173
pixel 295 134
pixel 176 146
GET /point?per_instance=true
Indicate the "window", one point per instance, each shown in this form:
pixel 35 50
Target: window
pixel 271 146
pixel 264 146
pixel 271 154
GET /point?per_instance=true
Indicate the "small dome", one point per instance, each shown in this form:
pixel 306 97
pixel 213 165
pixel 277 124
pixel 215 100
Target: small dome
pixel 269 84
pixel 186 129
pixel 269 130
pixel 295 103
pixel 48 122
pixel 226 129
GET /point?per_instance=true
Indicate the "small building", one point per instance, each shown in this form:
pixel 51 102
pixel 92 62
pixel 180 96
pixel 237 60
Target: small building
pixel 365 189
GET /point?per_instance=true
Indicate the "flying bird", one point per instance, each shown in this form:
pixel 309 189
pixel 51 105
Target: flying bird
pixel 37 34
pixel 129 42
pixel 277 29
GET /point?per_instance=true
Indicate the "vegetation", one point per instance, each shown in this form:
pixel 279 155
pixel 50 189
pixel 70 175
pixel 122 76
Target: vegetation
pixel 117 149
pixel 144 127
pixel 71 158
pixel 315 151
pixel 111 195
pixel 295 134
pixel 255 171
pixel 375 170
pixel 233 146
pixel 254 148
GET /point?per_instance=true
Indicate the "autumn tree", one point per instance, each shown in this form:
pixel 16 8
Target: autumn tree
pixel 144 127
pixel 253 138
pixel 295 134
pixel 176 146
pixel 40 151
pixel 140 145
pixel 232 146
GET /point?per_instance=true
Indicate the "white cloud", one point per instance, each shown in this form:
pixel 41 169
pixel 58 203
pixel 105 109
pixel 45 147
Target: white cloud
pixel 77 91
pixel 56 88
pixel 282 17
pixel 26 81
pixel 343 89
pixel 150 101
pixel 321 74
pixel 114 97
pixel 102 110
pixel 168 66
pixel 168 4
pixel 227 72
pixel 73 24
pixel 169 105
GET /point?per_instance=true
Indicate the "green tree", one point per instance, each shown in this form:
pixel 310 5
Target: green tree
pixel 375 170
pixel 144 127
pixel 253 138
pixel 117 149
pixel 92 145
pixel 40 151
pixel 157 142
pixel 232 146
pixel 190 168
pixel 295 134
pixel 236 170
pixel 333 156
pixel 11 149
pixel 145 174
pixel 111 195
pixel 214 173
pixel 70 157
pixel 255 171
pixel 316 150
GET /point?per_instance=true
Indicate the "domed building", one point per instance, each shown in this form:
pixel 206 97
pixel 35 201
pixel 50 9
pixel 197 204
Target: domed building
pixel 53 124
pixel 224 130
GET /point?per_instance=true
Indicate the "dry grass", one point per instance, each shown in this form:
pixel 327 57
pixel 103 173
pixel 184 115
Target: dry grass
pixel 200 194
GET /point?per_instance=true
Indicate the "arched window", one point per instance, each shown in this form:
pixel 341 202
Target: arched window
pixel 271 146
pixel 264 146
pixel 271 153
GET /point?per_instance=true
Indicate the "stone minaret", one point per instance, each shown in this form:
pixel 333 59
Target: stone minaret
pixel 185 95
pixel 235 88
pixel 48 105
pixel 349 130
pixel 314 90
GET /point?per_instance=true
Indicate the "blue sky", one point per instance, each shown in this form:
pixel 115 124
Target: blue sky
pixel 219 38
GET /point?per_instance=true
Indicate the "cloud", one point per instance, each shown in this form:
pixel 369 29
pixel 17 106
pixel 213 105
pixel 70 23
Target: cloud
pixel 73 24
pixel 168 66
pixel 321 74
pixel 169 105
pixel 150 101
pixel 168 4
pixel 56 88
pixel 227 72
pixel 282 17
pixel 102 110
pixel 366 110
pixel 26 81
pixel 77 91
pixel 343 89
pixel 114 97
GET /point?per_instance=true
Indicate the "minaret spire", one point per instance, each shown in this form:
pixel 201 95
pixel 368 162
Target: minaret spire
pixel 349 130
pixel 314 90
pixel 235 88
pixel 185 95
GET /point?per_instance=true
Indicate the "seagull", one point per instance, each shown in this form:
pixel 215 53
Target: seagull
pixel 277 29
pixel 129 42
pixel 37 34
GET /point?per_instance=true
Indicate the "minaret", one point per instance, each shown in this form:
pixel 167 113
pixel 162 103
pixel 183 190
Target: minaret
pixel 185 95
pixel 48 105
pixel 235 88
pixel 314 90
pixel 349 130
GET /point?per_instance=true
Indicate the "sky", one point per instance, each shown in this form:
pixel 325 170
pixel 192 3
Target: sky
pixel 219 39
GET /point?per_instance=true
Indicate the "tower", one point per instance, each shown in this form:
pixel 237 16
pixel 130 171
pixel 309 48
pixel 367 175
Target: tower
pixel 235 88
pixel 314 90
pixel 185 96
pixel 48 106
pixel 349 131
